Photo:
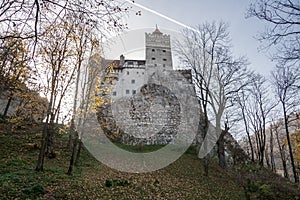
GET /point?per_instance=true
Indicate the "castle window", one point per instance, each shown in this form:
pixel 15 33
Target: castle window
pixel 164 51
pixel 153 50
pixel 164 65
pixel 132 81
pixel 127 91
pixel 127 73
pixel 155 65
pixel 114 93
pixel 164 59
pixel 130 63
pixel 153 58
pixel 133 91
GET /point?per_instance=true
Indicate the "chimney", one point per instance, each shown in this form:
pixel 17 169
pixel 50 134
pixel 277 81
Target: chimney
pixel 122 60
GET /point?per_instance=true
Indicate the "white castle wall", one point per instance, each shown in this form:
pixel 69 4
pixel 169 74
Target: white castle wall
pixel 129 81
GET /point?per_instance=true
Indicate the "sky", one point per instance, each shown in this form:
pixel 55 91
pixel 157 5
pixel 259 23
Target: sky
pixel 172 16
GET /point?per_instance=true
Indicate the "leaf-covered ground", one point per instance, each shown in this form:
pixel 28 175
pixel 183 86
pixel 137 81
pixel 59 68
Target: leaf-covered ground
pixel 183 179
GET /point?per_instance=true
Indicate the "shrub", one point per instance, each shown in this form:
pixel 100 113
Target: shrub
pixel 111 183
pixel 35 190
pixel 2 119
pixel 265 192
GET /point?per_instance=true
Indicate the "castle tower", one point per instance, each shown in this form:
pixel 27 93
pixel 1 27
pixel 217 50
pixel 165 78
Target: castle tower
pixel 158 51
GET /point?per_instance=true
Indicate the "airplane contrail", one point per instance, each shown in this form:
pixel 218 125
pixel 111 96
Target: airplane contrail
pixel 161 15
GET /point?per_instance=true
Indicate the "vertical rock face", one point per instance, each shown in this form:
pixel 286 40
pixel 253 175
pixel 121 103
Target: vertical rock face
pixel 154 115
pixel 234 152
pixel 151 116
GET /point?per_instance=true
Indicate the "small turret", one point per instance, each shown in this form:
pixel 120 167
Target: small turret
pixel 122 60
pixel 157 31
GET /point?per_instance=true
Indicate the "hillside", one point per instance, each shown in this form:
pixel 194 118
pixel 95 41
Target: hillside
pixel 276 145
pixel 184 179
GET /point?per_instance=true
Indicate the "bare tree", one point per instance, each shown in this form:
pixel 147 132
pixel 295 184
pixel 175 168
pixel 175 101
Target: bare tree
pixel 56 56
pixel 217 75
pixel 242 100
pixel 84 49
pixel 89 80
pixel 283 27
pixel 286 81
pixel 231 76
pixel 30 16
pixel 276 128
pixel 197 60
pixel 51 26
pixel 255 105
pixel 261 106
pixel 271 144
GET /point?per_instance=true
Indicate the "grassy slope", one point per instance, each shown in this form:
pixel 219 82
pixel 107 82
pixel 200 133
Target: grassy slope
pixel 182 179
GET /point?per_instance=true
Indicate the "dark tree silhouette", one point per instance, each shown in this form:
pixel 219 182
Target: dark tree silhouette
pixel 218 75
pixel 286 81
pixel 283 27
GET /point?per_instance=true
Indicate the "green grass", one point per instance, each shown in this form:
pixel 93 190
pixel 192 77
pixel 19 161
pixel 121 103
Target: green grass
pixel 139 149
pixel 18 157
pixel 183 179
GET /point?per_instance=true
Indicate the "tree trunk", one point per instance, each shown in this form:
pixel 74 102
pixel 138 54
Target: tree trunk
pixel 267 158
pixel 221 150
pixel 220 142
pixel 282 156
pixel 248 134
pixel 221 147
pixel 78 152
pixel 257 152
pixel 261 148
pixel 73 156
pixel 204 134
pixel 206 165
pixel 69 144
pixel 45 134
pixel 7 107
pixel 251 147
pixel 273 167
pixel 51 137
pixel 72 128
pixel 40 164
pixel 296 178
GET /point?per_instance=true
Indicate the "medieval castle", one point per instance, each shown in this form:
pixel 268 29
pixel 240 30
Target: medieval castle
pixel 131 79
pixel 140 110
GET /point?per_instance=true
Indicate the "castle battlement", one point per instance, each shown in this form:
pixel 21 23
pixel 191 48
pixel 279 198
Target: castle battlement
pixel 157 39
